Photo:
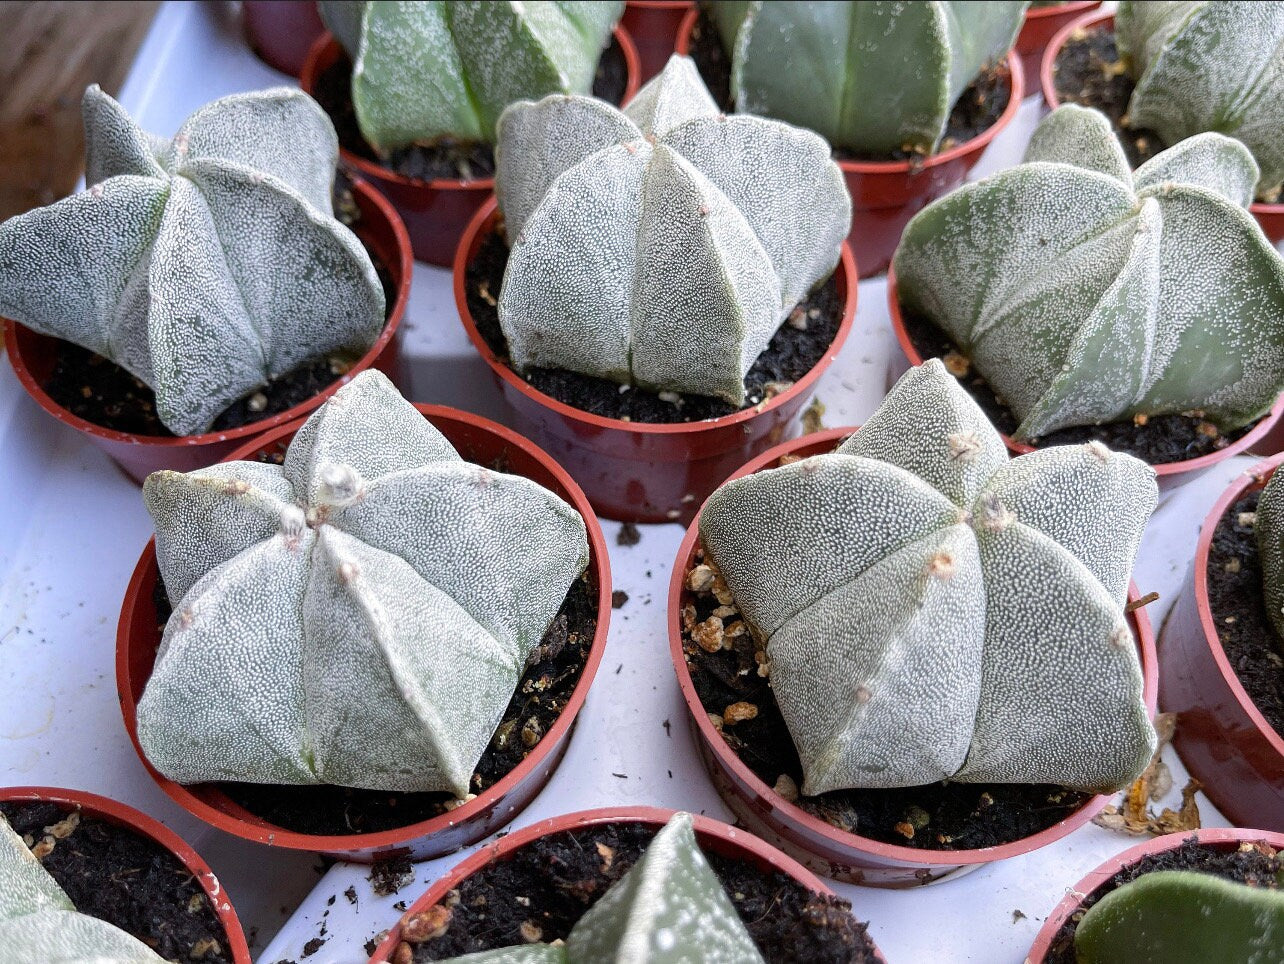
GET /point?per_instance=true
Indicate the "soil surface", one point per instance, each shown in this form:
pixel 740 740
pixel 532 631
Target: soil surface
pixel 116 875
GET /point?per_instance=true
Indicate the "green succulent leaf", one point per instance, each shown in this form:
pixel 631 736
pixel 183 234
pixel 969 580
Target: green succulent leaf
pixel 1269 533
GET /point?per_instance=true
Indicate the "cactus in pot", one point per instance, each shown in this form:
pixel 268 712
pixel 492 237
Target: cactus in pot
pixel 360 615
pixel 662 245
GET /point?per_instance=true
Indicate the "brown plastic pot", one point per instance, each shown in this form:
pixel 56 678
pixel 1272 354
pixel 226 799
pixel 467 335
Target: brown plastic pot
pixel 137 822
pixel 713 836
pixel 1269 216
pixel 825 849
pixel 138 637
pixel 653 25
pixel 1221 735
pixel 645 471
pixel 436 212
pixel 282 32
pixel 886 194
pixel 1171 474
pixel 1216 838
pixel 34 357
pixel 1041 25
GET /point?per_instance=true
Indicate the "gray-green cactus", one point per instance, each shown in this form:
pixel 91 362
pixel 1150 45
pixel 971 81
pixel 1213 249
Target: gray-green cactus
pixel 872 77
pixel 40 925
pixel 1201 66
pixel 207 265
pixel 1269 532
pixel 1183 917
pixel 932 610
pixel 359 616
pixel 1086 294
pixel 663 245
pixel 431 70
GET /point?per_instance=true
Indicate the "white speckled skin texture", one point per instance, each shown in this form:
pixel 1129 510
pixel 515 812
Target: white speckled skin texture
pixel 359 616
pixel 1209 67
pixel 206 266
pixel 661 246
pixel 877 76
pixel 1086 294
pixel 40 925
pixel 933 610
pixel 1269 531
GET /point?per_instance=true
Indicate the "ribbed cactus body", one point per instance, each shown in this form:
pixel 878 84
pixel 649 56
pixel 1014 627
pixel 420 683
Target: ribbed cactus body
pixel 1269 532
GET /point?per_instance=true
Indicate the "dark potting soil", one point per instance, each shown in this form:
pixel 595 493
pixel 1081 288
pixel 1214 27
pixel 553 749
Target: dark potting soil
pixel 447 158
pixel 1258 865
pixel 116 875
pixel 1248 637
pixel 1160 439
pixel 546 886
pixel 792 352
pixel 977 110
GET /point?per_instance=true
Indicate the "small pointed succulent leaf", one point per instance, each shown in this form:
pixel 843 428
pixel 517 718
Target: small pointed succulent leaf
pixel 1269 532
pixel 1220 164
pixel 1082 137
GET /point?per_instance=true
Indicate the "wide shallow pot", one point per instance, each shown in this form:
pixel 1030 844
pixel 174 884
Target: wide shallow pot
pixel 436 212
pixel 1221 735
pixel 1171 474
pixel 654 25
pixel 645 471
pixel 886 194
pixel 1269 216
pixel 282 32
pixel 138 636
pixel 138 823
pixel 712 835
pixel 824 848
pixel 34 357
pixel 1041 25
pixel 1217 838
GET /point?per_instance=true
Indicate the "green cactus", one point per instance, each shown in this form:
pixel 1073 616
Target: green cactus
pixel 431 70
pixel 1183 917
pixel 873 77
pixel 932 610
pixel 663 245
pixel 1201 66
pixel 1269 531
pixel 206 266
pixel 1085 294
pixel 359 616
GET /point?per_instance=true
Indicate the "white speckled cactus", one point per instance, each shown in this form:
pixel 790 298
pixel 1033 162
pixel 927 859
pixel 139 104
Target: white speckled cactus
pixel 360 616
pixel 428 70
pixel 1203 66
pixel 207 265
pixel 1087 294
pixel 663 245
pixel 1269 531
pixel 932 610
pixel 39 924
pixel 873 77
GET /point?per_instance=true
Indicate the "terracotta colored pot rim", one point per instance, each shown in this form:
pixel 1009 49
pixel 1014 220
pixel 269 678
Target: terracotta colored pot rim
pixel 149 828
pixel 493 795
pixel 660 4
pixel 911 855
pixel 846 271
pixel 1242 444
pixel 368 198
pixel 1045 13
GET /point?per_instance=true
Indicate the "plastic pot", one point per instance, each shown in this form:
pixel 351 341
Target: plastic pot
pixel 639 471
pixel 886 194
pixel 1221 735
pixel 34 357
pixel 436 212
pixel 1269 216
pixel 826 849
pixel 282 32
pixel 138 637
pixel 1041 25
pixel 713 836
pixel 1171 474
pixel 137 822
pixel 653 25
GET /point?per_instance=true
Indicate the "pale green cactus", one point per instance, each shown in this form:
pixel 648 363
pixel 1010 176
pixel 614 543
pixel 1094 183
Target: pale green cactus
pixel 1183 917
pixel 430 70
pixel 1086 294
pixel 663 245
pixel 872 77
pixel 1201 66
pixel 1269 532
pixel 360 616
pixel 40 925
pixel 205 266
pixel 932 610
